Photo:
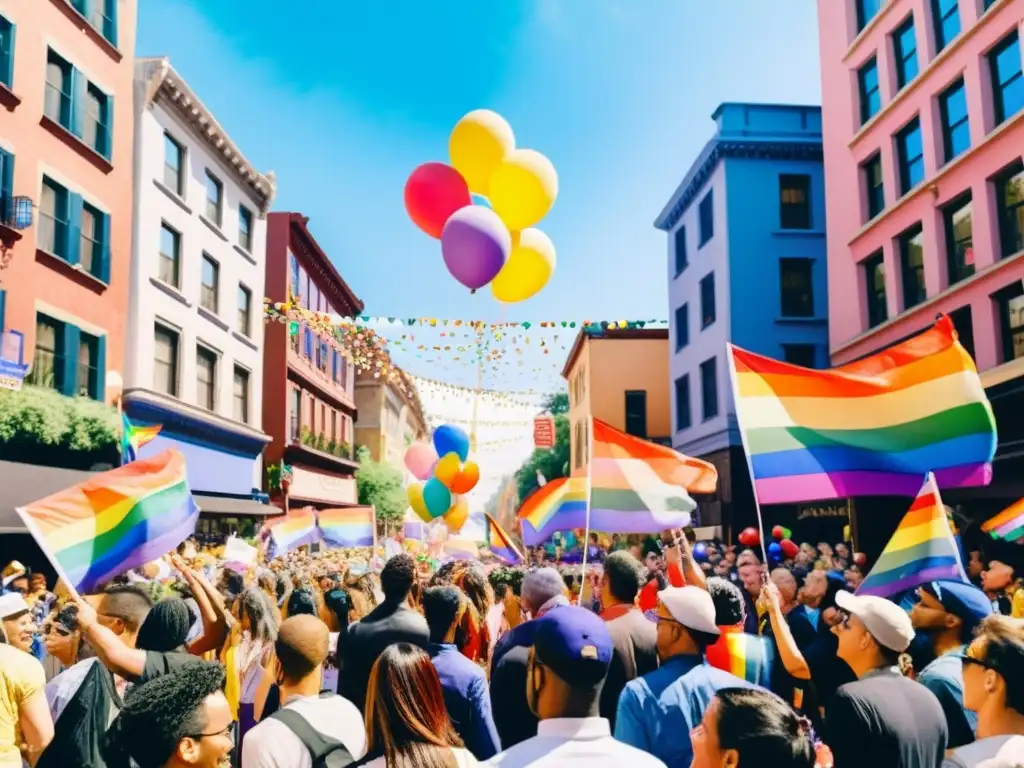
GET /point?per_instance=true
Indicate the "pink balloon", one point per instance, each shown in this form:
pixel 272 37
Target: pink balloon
pixel 420 459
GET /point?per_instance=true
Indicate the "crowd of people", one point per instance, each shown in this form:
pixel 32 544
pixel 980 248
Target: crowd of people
pixel 659 653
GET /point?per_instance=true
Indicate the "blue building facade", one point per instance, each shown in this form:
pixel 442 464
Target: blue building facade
pixel 746 265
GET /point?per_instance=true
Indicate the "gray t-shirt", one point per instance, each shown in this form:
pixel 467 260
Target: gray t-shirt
pixel 993 752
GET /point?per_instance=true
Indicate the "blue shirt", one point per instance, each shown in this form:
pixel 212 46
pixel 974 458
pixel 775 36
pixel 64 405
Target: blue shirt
pixel 464 685
pixel 945 678
pixel 658 711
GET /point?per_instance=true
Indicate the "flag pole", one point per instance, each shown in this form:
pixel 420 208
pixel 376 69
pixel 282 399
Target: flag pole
pixel 586 529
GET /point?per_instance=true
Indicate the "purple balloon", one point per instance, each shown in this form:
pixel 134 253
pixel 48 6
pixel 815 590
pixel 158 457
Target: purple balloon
pixel 475 244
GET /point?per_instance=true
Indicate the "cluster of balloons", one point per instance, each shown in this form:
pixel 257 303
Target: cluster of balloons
pixel 445 474
pixel 483 208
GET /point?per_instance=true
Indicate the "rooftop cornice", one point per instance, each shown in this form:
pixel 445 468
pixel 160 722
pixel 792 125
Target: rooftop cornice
pixel 163 83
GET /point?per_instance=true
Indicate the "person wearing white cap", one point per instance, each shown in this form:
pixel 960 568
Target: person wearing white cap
pixel 24 717
pixel 657 711
pixel 882 718
pixel 18 625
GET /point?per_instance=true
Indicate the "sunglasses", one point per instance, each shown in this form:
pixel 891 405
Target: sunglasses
pixel 60 629
pixel 968 661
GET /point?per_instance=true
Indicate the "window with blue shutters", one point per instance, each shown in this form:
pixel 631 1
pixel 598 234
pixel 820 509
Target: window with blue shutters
pixel 6 52
pixel 54 215
pixel 101 15
pixel 97 109
pixel 3 310
pixel 904 43
pixel 78 105
pixel 74 229
pixel 6 185
pixel 946 18
pixel 307 347
pixel 58 97
pixel 956 129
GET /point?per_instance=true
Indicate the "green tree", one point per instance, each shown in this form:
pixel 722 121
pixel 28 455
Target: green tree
pixel 380 484
pixel 552 463
pixel 557 403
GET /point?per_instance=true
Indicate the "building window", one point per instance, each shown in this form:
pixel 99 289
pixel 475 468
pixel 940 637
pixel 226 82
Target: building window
pixel 804 355
pixel 946 16
pixel 214 198
pixel 680 250
pixel 1010 302
pixel 866 11
pixel 988 4
pixel 244 305
pixel 682 326
pixel 904 43
pixel 796 287
pixel 795 201
pixel 911 244
pixel 706 214
pixel 636 413
pixel 96 125
pixel 6 52
pixel 206 378
pixel 209 289
pixel 174 165
pixel 956 131
pixel 57 104
pixel 963 322
pixel 683 416
pixel 245 228
pixel 295 415
pixel 88 362
pixel 870 95
pixel 6 185
pixel 1010 206
pixel 707 300
pixel 165 361
pixel 1007 78
pixel 241 394
pixel 874 282
pixel 959 240
pixel 101 14
pixel 90 246
pixel 48 358
pixel 170 255
pixel 874 186
pixel 54 213
pixel 709 388
pixel 911 155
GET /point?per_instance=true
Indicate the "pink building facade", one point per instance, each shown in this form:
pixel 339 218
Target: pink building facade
pixel 923 121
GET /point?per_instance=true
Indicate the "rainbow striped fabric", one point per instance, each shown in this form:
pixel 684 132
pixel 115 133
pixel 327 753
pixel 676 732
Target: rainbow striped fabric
pixel 749 657
pixel 501 544
pixel 115 521
pixel 348 526
pixel 558 505
pixel 292 530
pixel 133 437
pixel 922 549
pixel 1008 525
pixel 873 427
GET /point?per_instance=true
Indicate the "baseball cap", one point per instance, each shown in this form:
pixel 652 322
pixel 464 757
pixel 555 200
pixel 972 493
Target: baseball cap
pixel 574 643
pixel 887 622
pixel 12 604
pixel 12 571
pixel 692 607
pixel 963 600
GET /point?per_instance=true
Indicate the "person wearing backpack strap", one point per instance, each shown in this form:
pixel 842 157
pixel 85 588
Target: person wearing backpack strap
pixel 310 730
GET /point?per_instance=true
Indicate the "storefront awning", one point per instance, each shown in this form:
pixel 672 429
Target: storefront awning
pixel 232 506
pixel 21 484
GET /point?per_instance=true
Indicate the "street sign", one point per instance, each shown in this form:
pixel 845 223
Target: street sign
pixel 544 432
pixel 12 370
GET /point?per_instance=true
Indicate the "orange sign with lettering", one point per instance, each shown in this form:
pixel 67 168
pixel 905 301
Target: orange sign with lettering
pixel 544 432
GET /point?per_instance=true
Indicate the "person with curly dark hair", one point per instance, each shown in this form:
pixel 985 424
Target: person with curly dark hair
pixel 178 720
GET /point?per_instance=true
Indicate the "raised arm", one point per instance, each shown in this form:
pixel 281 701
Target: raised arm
pixel 126 662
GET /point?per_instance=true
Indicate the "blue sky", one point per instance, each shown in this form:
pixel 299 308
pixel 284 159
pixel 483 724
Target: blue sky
pixel 343 99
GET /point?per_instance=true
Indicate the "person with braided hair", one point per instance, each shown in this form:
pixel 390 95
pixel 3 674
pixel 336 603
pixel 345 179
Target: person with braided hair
pixel 178 720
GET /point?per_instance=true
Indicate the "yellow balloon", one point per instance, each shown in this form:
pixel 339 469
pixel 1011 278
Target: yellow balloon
pixel 528 269
pixel 447 469
pixel 457 516
pixel 479 142
pixel 523 188
pixel 415 494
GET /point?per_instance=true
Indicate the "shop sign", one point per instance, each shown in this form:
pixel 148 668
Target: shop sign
pixel 12 369
pixel 816 511
pixel 544 432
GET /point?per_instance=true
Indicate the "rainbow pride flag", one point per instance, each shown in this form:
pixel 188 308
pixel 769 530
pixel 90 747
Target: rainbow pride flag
pixel 501 544
pixel 114 521
pixel 348 526
pixel 558 505
pixel 873 427
pixel 292 530
pixel 1008 525
pixel 133 437
pixel 749 657
pixel 922 549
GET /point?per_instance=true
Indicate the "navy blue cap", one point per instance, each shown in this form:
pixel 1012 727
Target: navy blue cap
pixel 966 601
pixel 574 643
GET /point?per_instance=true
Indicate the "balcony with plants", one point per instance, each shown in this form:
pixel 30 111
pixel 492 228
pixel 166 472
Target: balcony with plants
pixel 318 448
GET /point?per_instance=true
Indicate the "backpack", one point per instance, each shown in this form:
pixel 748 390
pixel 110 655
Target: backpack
pixel 323 750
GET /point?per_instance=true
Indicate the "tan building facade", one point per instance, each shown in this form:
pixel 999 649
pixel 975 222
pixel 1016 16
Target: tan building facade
pixel 389 420
pixel 620 376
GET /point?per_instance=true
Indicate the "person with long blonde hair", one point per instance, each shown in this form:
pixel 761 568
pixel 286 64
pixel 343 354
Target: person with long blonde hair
pixel 407 725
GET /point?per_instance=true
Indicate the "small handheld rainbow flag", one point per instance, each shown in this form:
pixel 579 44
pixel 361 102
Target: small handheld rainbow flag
pixel 558 505
pixel 875 427
pixel 115 521
pixel 921 550
pixel 292 530
pixel 133 437
pixel 348 526
pixel 1008 525
pixel 501 544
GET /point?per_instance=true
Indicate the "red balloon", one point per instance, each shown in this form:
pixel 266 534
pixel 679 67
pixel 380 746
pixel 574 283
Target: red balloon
pixel 789 549
pixel 778 533
pixel 433 193
pixel 859 558
pixel 749 537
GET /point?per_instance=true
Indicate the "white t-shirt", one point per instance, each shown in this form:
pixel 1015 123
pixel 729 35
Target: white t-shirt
pixel 271 744
pixel 993 752
pixel 463 758
pixel 567 742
